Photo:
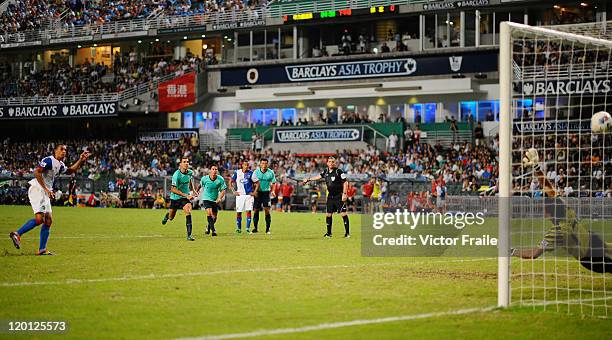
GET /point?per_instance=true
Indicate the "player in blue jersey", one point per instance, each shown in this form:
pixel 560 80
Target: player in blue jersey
pixel 243 189
pixel 41 194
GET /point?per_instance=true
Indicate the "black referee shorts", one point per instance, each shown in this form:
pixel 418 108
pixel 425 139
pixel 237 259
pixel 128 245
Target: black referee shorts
pixel 262 200
pixel 335 205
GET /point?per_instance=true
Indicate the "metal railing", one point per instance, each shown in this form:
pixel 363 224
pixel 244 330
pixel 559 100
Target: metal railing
pixel 447 137
pixel 70 99
pixel 137 25
pixel 233 19
pixel 577 70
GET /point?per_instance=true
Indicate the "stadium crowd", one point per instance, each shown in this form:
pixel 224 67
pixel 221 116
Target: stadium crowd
pixel 418 161
pixel 550 55
pixel 574 163
pixel 467 167
pixel 92 78
pixel 23 15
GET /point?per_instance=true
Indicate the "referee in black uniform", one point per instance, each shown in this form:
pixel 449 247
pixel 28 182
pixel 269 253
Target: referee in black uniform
pixel 336 194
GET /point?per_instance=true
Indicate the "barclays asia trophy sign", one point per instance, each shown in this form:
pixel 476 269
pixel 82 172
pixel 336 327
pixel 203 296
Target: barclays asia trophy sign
pixel 322 134
pixel 360 69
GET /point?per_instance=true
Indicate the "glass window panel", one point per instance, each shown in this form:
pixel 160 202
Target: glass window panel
pixel 470 28
pixel 486 28
pixel 454 26
pixel 288 116
pixel 467 109
pixel 207 120
pixel 430 112
pixel 188 120
pixel 228 119
pixel 442 30
pixel 257 117
pixel 417 113
pixel 430 31
pixel 271 117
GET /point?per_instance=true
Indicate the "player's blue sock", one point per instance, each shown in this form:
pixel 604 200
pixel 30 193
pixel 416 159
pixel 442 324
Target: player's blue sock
pixel 29 225
pixel 239 223
pixel 45 230
pixel 188 224
pixel 248 223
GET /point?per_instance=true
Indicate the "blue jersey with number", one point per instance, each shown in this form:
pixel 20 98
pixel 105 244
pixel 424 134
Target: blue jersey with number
pixel 244 181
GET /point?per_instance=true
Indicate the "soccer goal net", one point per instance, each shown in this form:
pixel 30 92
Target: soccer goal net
pixel 555 183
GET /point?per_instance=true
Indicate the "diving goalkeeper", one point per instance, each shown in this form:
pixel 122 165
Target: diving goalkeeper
pixel 567 232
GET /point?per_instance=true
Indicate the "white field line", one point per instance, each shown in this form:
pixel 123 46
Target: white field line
pixel 94 237
pixel 333 325
pixel 154 276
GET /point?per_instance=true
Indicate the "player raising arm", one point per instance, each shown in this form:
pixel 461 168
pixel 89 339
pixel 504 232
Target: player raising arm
pixel 180 195
pixel 40 195
pixel 213 192
pixel 337 186
pixel 567 232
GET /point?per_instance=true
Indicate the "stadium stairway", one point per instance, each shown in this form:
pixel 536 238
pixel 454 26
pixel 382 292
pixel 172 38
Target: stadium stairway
pixel 212 139
pixel 235 143
pixel 446 137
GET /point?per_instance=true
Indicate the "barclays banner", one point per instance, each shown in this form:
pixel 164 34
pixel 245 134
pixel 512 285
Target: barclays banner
pixel 564 87
pixel 529 126
pixel 479 62
pixel 322 134
pixel 360 69
pixel 168 134
pixel 43 111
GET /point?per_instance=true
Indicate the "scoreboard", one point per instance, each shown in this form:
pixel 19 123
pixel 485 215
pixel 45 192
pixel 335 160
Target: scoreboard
pixel 327 15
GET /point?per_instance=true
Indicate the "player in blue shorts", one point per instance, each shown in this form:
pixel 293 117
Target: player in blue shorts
pixel 41 194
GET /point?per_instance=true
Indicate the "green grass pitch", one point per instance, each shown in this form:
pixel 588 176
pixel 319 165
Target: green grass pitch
pixel 118 273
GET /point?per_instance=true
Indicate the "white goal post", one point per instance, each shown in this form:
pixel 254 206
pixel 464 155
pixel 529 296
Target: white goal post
pixel 551 81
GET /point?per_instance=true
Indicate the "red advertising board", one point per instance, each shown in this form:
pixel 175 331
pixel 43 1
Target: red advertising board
pixel 177 93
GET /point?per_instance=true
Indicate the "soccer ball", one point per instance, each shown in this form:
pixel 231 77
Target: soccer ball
pixel 601 122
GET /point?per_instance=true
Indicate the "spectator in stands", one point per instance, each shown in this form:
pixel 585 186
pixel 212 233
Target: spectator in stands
pixel 453 127
pixel 346 42
pixel 287 191
pixel 366 191
pixel 392 143
pixel 362 43
pixel 384 48
pixel 478 134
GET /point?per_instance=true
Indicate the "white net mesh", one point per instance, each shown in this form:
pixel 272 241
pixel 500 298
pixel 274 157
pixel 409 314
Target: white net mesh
pixel 561 171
